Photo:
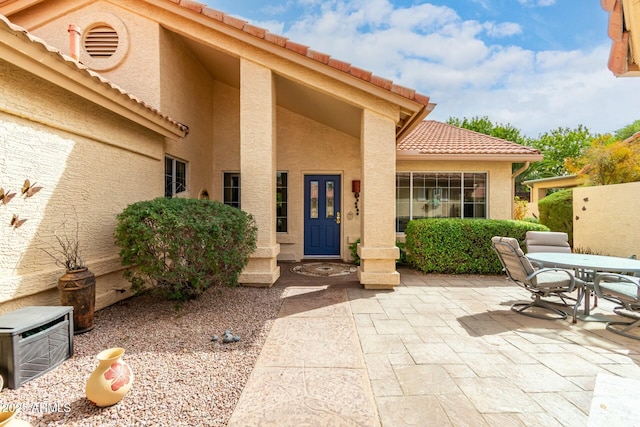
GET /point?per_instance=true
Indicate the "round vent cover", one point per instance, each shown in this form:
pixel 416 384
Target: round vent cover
pixel 101 41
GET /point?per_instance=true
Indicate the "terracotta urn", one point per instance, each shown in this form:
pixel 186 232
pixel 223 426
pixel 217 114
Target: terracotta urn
pixel 8 419
pixel 111 380
pixel 77 288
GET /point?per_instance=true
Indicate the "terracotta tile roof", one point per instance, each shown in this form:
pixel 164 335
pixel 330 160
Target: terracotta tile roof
pixel 285 43
pixel 621 56
pixel 20 32
pixel 436 138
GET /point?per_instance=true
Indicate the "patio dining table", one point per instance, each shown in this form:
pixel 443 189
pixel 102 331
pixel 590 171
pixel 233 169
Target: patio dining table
pixel 586 265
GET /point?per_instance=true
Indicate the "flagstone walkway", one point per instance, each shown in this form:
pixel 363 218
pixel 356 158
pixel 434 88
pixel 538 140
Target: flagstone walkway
pixel 438 350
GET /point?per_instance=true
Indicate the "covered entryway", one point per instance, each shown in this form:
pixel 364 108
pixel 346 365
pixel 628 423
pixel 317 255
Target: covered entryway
pixel 322 216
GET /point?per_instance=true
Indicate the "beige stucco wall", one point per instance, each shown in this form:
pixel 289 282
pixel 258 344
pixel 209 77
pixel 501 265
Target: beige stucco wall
pixel 188 97
pixel 500 198
pixel 607 223
pixel 304 146
pixel 90 165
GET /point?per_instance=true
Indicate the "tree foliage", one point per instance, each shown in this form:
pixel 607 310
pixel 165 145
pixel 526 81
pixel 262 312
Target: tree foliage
pixel 487 127
pixel 608 161
pixel 627 131
pixel 558 146
pixel 601 159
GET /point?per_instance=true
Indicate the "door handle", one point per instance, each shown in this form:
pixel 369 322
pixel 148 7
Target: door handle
pixel 338 218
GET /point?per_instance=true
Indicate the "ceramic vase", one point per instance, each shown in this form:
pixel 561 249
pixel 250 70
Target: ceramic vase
pixel 8 419
pixel 111 380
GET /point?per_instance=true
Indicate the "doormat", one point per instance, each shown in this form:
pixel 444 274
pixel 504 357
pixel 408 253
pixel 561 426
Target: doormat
pixel 324 269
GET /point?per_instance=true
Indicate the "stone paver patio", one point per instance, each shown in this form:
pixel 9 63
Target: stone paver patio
pixel 438 350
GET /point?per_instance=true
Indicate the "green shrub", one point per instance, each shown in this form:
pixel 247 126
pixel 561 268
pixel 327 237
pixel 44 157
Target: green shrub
pixel 531 220
pixel 556 212
pixel 353 249
pixel 460 246
pixel 183 246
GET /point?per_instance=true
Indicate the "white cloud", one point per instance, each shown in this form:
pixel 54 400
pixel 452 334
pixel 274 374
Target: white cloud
pixel 502 30
pixel 466 67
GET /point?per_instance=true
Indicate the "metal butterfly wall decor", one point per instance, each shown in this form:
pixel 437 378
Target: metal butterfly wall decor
pixel 29 189
pixel 16 222
pixel 6 197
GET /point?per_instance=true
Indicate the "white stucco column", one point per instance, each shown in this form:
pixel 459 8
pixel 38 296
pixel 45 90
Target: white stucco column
pixel 377 250
pixel 258 169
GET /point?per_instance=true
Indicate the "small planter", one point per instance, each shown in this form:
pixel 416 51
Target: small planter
pixel 77 288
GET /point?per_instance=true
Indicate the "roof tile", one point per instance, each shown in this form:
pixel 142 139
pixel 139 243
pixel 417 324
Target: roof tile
pixel 318 56
pixel 276 39
pixel 255 31
pixel 340 65
pixel 193 5
pixel 233 22
pixel 297 47
pixel 382 82
pixel 360 73
pixel 404 91
pixel 213 13
pixel 432 137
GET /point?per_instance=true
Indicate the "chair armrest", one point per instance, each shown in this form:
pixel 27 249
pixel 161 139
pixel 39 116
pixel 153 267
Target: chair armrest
pixel 569 273
pixel 615 278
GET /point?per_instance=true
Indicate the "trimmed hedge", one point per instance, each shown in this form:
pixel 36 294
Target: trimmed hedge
pixel 184 246
pixel 556 212
pixel 460 246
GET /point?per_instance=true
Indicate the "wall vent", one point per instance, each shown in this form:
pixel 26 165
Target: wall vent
pixel 101 41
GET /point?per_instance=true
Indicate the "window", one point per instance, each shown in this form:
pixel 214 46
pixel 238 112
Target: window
pixel 231 196
pixel 281 202
pixel 175 176
pixel 231 189
pixel 439 195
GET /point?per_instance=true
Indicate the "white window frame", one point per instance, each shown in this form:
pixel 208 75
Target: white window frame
pixel 176 187
pixel 422 197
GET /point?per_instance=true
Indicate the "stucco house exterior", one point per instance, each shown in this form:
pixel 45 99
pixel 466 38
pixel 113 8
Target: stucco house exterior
pixel 170 97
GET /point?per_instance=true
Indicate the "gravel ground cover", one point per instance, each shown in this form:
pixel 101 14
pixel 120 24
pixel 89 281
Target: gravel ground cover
pixel 181 376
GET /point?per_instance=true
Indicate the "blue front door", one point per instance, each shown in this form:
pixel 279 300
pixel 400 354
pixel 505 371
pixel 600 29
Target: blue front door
pixel 322 215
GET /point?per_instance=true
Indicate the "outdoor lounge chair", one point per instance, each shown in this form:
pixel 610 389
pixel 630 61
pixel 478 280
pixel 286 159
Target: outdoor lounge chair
pixel 542 283
pixel 547 241
pixel 624 290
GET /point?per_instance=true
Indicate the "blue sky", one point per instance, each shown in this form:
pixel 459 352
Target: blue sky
pixel 535 64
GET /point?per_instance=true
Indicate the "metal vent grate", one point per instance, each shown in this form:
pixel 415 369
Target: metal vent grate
pixel 101 42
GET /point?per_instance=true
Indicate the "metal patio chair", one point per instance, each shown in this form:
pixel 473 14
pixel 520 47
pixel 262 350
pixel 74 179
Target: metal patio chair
pixel 547 241
pixel 542 283
pixel 624 290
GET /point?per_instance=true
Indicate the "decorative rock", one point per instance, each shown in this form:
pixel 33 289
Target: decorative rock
pixel 215 338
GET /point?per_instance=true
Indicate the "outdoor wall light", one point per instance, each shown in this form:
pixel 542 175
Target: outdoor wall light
pixel 355 189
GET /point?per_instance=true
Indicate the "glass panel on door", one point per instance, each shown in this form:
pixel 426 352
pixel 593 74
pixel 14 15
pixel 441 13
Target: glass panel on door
pixel 313 195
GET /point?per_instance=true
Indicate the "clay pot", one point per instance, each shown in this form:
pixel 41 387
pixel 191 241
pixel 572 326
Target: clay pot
pixel 111 380
pixel 77 288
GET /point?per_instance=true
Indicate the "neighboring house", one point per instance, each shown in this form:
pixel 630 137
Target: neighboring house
pixel 447 171
pixel 624 31
pixel 304 142
pixel 540 187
